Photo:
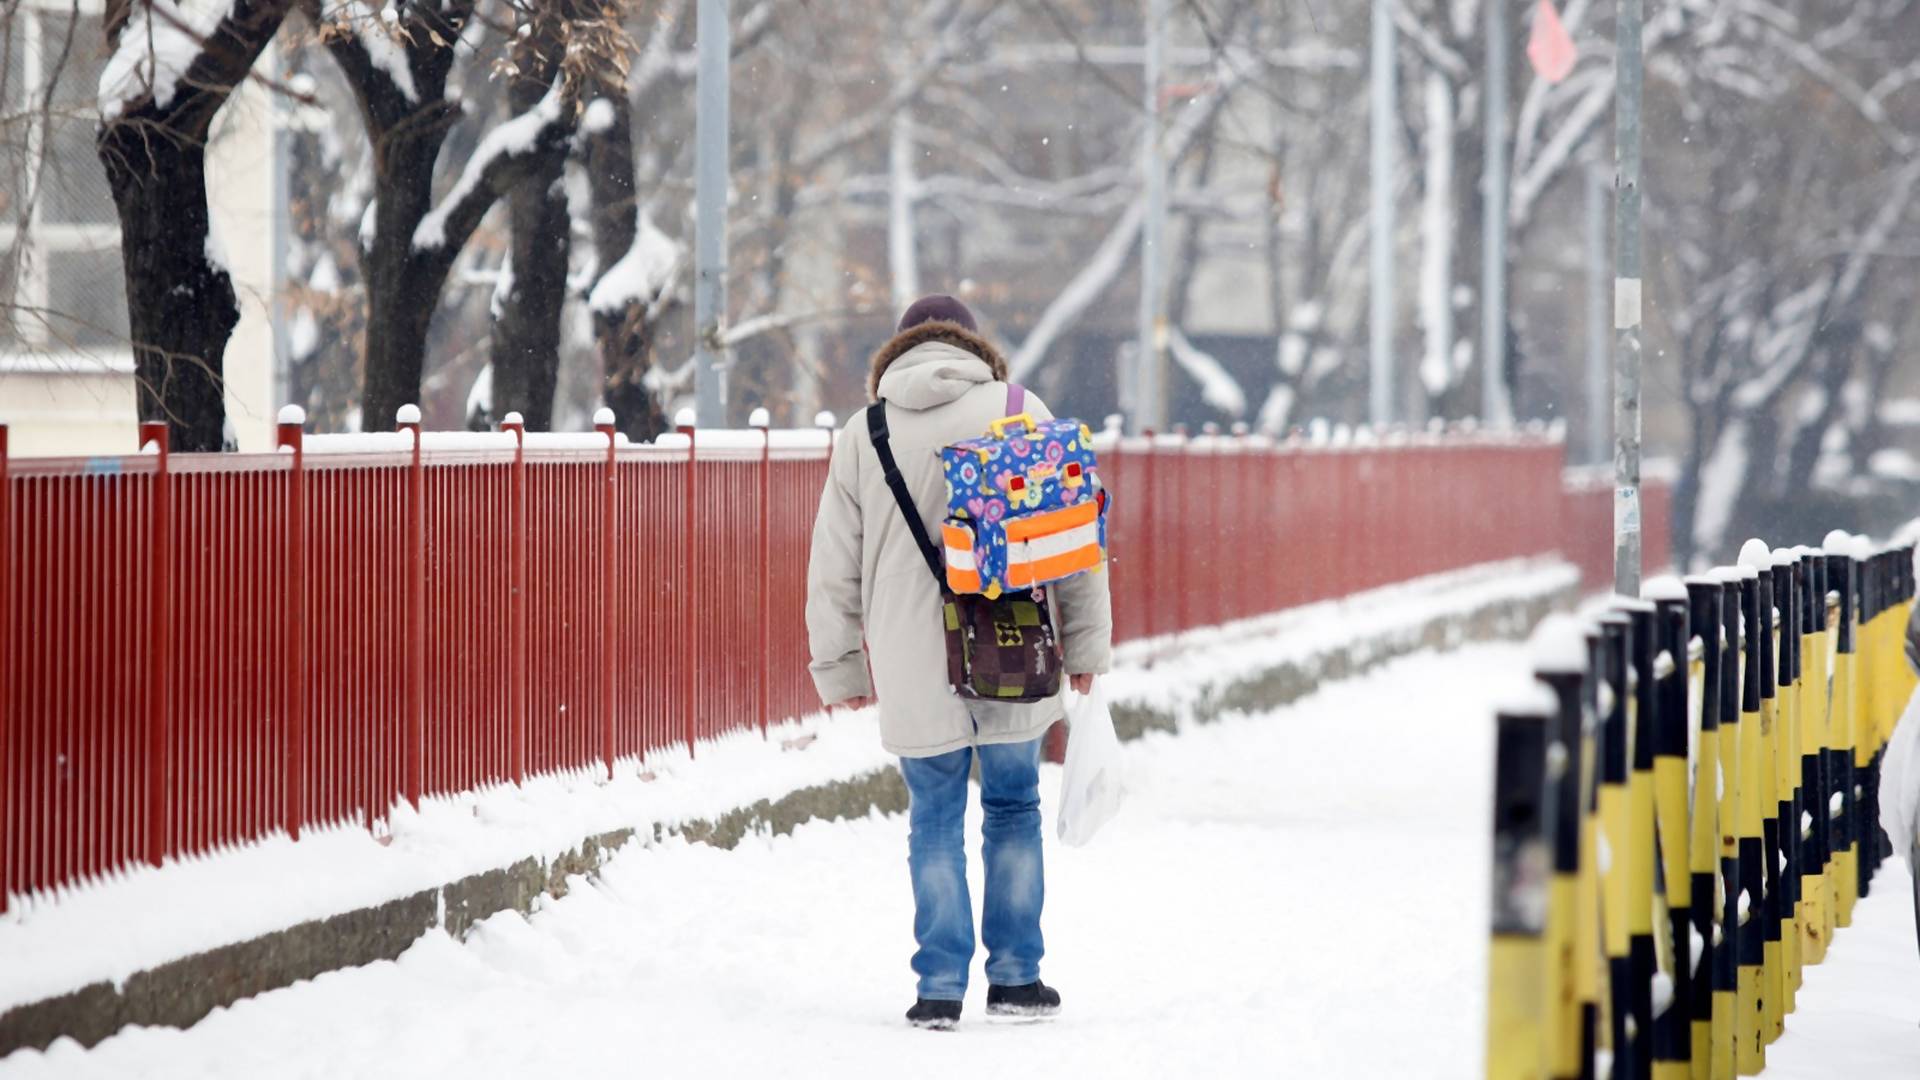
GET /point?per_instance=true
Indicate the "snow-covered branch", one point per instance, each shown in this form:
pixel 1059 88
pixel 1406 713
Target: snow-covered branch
pixel 502 157
pixel 159 45
pixel 648 270
pixel 1217 385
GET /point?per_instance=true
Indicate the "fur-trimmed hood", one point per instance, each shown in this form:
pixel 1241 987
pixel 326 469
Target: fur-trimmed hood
pixel 944 333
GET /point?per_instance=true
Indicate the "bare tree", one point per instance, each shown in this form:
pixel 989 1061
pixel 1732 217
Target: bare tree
pixel 1784 325
pixel 172 68
pixel 398 60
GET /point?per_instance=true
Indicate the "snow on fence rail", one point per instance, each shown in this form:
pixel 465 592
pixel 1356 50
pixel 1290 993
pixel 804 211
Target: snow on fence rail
pixel 197 650
pixel 1686 808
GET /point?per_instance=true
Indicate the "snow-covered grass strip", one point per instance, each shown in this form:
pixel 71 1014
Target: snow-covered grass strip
pixel 142 917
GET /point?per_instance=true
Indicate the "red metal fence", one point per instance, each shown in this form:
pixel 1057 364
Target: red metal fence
pixel 197 650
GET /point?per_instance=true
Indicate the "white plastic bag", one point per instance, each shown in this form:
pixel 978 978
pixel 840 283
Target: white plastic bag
pixel 1094 782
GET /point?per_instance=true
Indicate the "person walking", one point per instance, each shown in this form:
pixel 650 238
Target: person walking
pixel 870 598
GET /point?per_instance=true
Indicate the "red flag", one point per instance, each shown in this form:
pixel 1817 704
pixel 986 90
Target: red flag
pixel 1552 49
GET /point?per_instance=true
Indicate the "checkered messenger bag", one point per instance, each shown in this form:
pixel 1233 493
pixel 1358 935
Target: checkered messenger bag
pixel 1002 648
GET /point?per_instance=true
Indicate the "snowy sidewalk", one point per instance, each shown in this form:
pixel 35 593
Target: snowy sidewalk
pixel 1266 905
pixel 98 936
pixel 1859 1011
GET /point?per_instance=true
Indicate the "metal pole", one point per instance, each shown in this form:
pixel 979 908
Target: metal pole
pixel 1495 409
pixel 1384 102
pixel 1151 366
pixel 281 390
pixel 902 253
pixel 710 214
pixel 1626 303
pixel 1599 345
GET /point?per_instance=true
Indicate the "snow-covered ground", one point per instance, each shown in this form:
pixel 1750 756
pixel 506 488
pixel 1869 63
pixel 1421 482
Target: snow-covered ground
pixel 142 917
pixel 1268 903
pixel 1859 1011
pixel 1300 893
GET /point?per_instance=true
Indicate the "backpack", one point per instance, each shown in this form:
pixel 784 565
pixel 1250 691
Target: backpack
pixel 1024 504
pixel 1001 646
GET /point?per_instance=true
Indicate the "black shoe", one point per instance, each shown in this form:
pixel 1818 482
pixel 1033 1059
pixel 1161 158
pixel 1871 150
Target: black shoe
pixel 937 1015
pixel 1034 999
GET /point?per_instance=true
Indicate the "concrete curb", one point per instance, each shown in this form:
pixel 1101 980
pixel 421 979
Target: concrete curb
pixel 180 993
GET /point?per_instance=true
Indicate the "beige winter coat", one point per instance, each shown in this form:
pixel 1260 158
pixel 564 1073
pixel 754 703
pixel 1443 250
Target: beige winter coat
pixel 867 574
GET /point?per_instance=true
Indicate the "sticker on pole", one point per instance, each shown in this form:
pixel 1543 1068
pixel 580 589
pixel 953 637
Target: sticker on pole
pixel 1551 48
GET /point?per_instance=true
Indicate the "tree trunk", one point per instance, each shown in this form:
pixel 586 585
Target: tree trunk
pixel 624 335
pixel 403 285
pixel 181 306
pixel 526 328
pixel 1462 396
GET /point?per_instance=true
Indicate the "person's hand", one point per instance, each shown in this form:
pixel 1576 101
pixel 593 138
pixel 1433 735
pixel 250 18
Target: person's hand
pixel 1082 684
pixel 854 704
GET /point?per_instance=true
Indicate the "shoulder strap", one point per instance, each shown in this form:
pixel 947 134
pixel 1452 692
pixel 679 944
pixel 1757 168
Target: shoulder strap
pixel 877 428
pixel 1016 399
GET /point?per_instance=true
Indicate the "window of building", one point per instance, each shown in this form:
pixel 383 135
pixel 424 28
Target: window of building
pixel 62 290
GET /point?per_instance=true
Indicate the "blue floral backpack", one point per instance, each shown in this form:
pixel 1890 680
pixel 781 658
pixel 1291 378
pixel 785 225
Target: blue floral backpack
pixel 1024 504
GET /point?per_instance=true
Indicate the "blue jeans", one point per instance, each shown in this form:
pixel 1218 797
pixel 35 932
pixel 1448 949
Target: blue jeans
pixel 937 857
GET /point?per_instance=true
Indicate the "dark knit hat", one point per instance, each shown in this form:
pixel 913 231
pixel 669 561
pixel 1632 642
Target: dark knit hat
pixel 937 308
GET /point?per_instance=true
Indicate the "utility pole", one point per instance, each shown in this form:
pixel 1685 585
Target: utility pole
pixel 1495 409
pixel 1384 102
pixel 1626 301
pixel 1599 342
pixel 903 258
pixel 710 214
pixel 1151 365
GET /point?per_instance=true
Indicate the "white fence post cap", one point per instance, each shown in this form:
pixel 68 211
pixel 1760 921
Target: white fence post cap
pixel 760 418
pixel 602 416
pixel 407 414
pixel 292 414
pixel 684 418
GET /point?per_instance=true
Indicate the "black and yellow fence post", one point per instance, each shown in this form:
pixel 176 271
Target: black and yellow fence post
pixel 1673 931
pixel 1642 841
pixel 1814 732
pixel 1563 660
pixel 1870 691
pixel 1768 906
pixel 1594 973
pixel 1518 1012
pixel 1684 813
pixel 1703 855
pixel 1786 772
pixel 1613 803
pixel 1750 1006
pixel 1726 975
pixel 1844 721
